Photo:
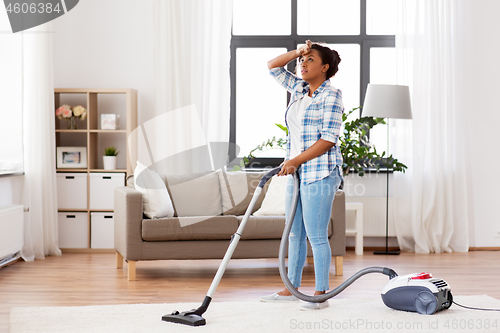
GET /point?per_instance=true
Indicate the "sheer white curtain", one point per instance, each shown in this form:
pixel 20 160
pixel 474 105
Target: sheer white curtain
pixel 192 54
pixel 431 198
pixel 40 189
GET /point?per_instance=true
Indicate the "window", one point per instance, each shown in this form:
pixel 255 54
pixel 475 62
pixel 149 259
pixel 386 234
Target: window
pixel 328 17
pixel 361 31
pixel 258 17
pixel 11 120
pixel 253 108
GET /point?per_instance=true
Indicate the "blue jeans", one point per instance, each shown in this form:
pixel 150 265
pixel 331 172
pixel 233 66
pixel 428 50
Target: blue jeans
pixel 311 219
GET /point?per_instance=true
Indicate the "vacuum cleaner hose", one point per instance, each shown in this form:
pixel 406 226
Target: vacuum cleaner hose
pixel 284 247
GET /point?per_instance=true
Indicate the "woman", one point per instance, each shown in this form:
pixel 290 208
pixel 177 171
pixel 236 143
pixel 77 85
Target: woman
pixel 313 119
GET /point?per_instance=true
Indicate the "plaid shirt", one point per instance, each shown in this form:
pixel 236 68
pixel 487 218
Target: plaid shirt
pixel 322 120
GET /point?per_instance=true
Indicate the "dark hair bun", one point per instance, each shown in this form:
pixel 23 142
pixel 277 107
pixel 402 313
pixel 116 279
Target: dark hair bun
pixel 328 56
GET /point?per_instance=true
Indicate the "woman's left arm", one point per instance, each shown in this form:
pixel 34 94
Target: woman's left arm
pixel 317 149
pixel 332 121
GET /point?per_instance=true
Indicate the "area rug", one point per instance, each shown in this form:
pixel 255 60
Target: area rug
pixel 343 315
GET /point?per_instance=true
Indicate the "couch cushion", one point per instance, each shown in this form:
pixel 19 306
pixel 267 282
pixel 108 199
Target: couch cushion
pixel 267 227
pixel 189 228
pixel 263 227
pixel 196 194
pixel 237 188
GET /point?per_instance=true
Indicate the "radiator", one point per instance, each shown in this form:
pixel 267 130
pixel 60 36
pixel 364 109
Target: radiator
pixel 11 233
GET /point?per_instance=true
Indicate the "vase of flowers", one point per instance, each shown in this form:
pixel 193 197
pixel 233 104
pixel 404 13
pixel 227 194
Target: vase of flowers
pixel 71 113
pixel 109 158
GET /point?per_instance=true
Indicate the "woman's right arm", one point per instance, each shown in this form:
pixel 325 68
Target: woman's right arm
pixel 277 67
pixel 282 60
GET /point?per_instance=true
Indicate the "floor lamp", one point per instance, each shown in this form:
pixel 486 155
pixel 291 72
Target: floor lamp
pixel 387 101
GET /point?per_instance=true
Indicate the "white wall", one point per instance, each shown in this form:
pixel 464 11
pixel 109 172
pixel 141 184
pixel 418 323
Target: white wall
pixel 482 71
pixel 107 44
pixel 110 44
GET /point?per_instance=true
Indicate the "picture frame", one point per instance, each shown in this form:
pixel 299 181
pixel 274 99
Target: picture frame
pixel 71 157
pixel 110 121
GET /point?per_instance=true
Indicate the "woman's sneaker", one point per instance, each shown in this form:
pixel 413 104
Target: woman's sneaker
pixel 313 306
pixel 278 298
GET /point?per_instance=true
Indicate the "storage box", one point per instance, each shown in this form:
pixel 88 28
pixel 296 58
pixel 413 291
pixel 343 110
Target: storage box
pixel 102 231
pixel 71 190
pixel 102 187
pixel 73 230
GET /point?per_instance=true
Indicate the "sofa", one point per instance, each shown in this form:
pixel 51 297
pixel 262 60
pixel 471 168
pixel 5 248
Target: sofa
pixel 208 208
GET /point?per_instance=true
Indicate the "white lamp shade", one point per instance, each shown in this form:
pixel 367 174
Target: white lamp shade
pixel 387 101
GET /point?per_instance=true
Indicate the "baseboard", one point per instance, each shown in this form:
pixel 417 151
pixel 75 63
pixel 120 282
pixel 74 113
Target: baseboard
pixel 374 248
pixel 484 248
pixel 88 250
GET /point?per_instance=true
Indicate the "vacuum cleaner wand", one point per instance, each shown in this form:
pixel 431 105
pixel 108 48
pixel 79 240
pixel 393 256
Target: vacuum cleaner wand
pixel 193 317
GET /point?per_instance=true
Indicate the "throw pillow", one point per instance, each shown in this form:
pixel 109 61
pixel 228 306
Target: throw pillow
pixel 155 198
pixel 237 188
pixel 274 200
pixel 195 194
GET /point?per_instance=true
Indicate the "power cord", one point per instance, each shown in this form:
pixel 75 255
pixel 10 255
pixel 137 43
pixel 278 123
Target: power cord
pixel 471 308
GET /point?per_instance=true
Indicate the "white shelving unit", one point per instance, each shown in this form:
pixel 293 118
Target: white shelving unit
pixel 84 193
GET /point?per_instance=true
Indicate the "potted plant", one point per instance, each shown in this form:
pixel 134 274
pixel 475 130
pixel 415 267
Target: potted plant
pixel 109 158
pixel 357 152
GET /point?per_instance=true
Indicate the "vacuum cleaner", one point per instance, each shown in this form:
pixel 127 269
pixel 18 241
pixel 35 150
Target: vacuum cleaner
pixel 415 292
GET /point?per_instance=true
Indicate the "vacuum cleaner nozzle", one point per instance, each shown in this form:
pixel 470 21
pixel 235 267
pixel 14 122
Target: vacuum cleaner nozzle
pixel 191 318
pixel 187 318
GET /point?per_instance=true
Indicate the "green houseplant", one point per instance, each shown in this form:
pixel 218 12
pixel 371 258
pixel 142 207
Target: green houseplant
pixel 109 158
pixel 357 152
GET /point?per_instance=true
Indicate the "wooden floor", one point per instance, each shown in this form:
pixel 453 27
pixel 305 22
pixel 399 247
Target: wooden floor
pixel 92 279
